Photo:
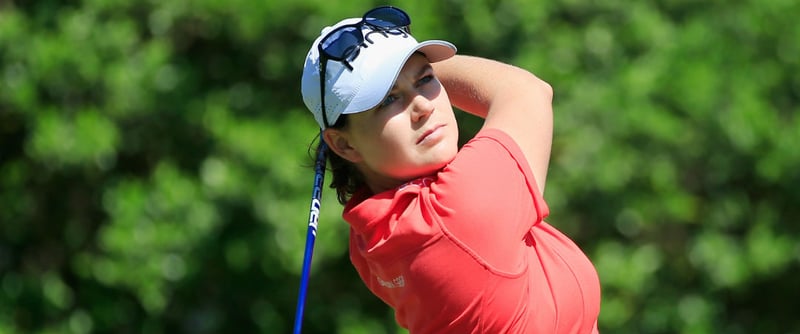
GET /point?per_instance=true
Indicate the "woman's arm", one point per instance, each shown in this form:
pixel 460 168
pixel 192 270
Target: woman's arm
pixel 509 98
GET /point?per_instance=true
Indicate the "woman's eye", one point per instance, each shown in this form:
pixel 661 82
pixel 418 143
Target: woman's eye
pixel 425 79
pixel 388 101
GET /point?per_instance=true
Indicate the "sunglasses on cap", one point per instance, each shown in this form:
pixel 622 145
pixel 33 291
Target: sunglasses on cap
pixel 343 43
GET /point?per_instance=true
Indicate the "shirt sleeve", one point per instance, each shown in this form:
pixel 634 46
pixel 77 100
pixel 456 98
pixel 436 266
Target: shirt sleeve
pixel 488 200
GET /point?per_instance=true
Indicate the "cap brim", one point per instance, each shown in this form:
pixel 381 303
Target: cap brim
pixel 436 50
pixel 381 81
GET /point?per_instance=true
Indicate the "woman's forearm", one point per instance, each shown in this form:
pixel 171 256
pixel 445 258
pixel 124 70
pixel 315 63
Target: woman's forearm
pixel 474 83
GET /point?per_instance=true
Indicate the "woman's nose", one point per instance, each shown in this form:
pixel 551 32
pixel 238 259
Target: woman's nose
pixel 421 107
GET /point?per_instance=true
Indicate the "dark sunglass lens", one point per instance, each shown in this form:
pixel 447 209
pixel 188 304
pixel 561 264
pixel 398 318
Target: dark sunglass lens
pixel 387 17
pixel 340 41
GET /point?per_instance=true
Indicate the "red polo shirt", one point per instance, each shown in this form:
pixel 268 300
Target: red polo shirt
pixel 466 250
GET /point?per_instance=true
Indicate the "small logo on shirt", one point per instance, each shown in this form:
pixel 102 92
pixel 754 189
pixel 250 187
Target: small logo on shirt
pixel 397 282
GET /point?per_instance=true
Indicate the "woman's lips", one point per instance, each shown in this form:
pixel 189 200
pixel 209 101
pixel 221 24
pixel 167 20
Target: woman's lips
pixel 430 134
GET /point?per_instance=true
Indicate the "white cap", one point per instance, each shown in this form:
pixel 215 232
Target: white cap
pixel 375 70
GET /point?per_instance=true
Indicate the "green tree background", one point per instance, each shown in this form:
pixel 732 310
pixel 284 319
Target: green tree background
pixel 154 160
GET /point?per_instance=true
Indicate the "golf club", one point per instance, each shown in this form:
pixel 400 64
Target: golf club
pixel 311 235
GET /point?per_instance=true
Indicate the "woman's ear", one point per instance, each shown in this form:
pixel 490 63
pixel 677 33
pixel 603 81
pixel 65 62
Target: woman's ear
pixel 339 142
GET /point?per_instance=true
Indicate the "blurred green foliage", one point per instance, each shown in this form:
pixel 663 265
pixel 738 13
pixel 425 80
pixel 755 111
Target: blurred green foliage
pixel 154 160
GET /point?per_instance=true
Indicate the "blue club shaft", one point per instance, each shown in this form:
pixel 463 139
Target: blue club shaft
pixel 311 235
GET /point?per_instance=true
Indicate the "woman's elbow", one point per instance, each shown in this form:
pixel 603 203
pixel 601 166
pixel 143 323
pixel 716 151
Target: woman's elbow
pixel 544 88
pixel 536 85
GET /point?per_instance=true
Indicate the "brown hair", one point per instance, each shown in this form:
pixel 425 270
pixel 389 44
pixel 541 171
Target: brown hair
pixel 346 177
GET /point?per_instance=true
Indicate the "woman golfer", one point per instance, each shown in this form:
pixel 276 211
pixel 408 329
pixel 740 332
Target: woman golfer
pixel 452 239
